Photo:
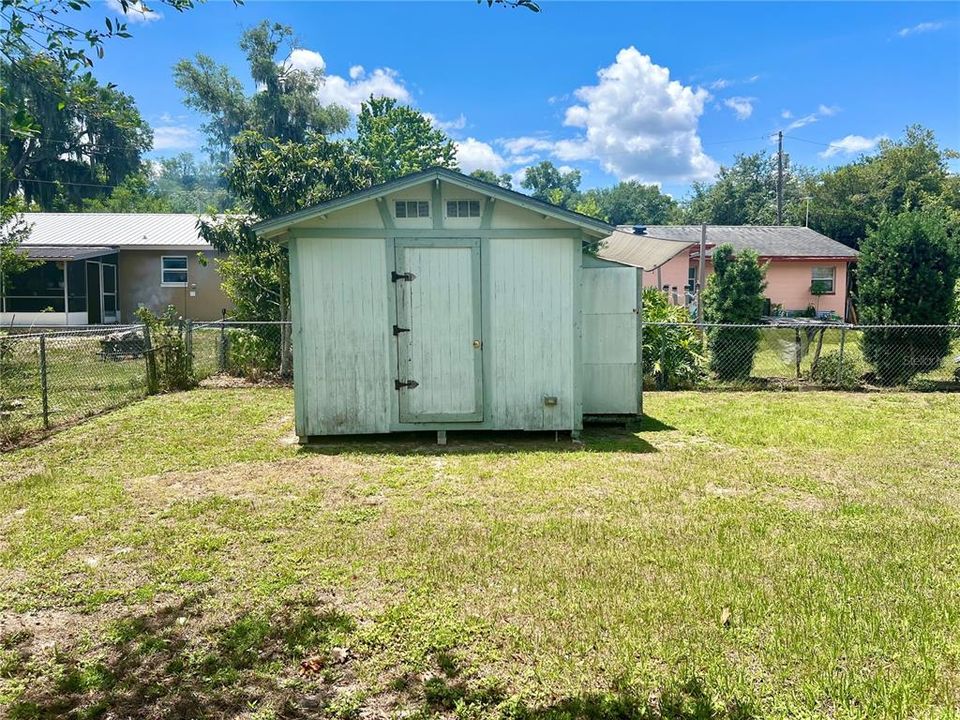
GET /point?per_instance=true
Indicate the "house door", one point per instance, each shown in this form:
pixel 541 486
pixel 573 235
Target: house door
pixel 439 347
pixel 94 297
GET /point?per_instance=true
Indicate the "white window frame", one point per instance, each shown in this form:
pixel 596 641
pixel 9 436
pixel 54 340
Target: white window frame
pixel 406 209
pixel 185 269
pixel 832 279
pixel 471 205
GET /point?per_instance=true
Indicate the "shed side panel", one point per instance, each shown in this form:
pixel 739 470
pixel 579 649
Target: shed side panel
pixel 343 338
pixel 609 341
pixel 530 346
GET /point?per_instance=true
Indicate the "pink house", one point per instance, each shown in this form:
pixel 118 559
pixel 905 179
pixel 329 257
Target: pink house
pixel 798 259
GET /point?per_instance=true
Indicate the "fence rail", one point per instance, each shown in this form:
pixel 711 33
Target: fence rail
pixel 55 376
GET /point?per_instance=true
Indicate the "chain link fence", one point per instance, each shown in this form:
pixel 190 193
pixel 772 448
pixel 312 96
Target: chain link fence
pixel 56 376
pixel 801 355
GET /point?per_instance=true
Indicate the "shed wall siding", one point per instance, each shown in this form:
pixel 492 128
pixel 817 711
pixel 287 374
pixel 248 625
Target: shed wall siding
pixel 609 341
pixel 532 329
pixel 344 382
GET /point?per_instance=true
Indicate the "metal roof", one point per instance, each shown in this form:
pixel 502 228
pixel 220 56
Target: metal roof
pixel 274 225
pixel 768 241
pixel 641 251
pixel 122 230
pixel 74 252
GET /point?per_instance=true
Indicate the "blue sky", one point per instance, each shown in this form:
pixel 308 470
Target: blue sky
pixel 658 92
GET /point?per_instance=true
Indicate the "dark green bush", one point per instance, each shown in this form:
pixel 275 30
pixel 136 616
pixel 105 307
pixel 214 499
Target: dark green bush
pixel 733 295
pixel 172 362
pixel 833 371
pixel 252 354
pixel 907 274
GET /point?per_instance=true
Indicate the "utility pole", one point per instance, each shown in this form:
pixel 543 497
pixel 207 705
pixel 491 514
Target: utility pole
pixel 780 178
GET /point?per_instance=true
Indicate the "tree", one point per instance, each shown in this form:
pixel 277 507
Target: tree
pixel 547 182
pixel 14 229
pixel 63 29
pixel 631 202
pixel 587 205
pixel 189 186
pixel 906 174
pixel 285 105
pixel 69 138
pixel 733 295
pixel 504 180
pixel 907 272
pixel 271 177
pixel 745 193
pixel 398 140
pixel 133 195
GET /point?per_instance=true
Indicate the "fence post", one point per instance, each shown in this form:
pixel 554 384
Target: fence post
pixel 188 346
pixel 44 390
pixel 222 356
pixel 798 348
pixel 151 361
pixel 843 338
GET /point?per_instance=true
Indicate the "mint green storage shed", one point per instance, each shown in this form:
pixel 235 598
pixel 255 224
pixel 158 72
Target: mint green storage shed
pixel 438 302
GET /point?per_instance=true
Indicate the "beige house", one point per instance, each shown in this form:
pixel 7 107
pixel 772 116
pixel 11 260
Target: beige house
pixel 98 268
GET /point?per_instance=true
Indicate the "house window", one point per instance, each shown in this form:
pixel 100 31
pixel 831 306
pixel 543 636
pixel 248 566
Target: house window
pixel 463 208
pixel 692 278
pixel 173 270
pixel 823 277
pixel 412 208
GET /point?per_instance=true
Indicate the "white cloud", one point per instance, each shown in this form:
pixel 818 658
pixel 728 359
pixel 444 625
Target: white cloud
pixel 721 84
pixel 307 60
pixel 520 145
pixel 382 82
pixel 822 112
pixel 802 122
pixel 638 123
pixel 852 144
pixel 741 106
pixel 473 154
pixel 175 137
pixel 458 123
pixel 724 83
pixel 136 11
pixel 923 27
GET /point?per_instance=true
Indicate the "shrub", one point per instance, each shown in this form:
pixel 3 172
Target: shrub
pixel 907 274
pixel 672 354
pixel 832 371
pixel 172 362
pixel 733 295
pixel 250 354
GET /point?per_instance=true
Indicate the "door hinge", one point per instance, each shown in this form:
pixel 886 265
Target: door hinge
pixel 397 330
pixel 395 276
pixel 409 384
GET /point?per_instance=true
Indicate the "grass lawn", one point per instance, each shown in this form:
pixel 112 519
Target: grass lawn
pixel 743 555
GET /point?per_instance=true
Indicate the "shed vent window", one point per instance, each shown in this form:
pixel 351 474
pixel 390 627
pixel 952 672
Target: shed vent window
pixel 412 208
pixel 823 278
pixel 463 208
pixel 173 270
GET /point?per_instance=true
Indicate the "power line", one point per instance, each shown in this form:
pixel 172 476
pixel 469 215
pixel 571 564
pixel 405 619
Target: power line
pixel 63 182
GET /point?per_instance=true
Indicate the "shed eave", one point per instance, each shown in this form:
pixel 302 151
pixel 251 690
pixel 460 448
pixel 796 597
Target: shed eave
pixel 591 226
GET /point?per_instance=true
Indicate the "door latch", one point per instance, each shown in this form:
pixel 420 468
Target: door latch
pixel 396 277
pixel 397 330
pixel 408 384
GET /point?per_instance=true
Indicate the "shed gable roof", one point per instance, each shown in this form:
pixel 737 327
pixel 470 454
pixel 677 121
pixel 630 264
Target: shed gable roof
pixel 278 224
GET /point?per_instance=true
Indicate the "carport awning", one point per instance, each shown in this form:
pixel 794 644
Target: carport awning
pixel 641 251
pixel 77 252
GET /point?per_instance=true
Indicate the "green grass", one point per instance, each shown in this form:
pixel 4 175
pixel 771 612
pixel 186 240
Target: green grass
pixel 742 555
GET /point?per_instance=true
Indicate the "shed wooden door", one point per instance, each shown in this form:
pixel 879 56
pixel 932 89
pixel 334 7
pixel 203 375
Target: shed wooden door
pixel 439 347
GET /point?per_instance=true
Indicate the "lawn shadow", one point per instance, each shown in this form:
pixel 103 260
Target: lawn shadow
pixel 603 438
pixel 172 662
pixel 448 692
